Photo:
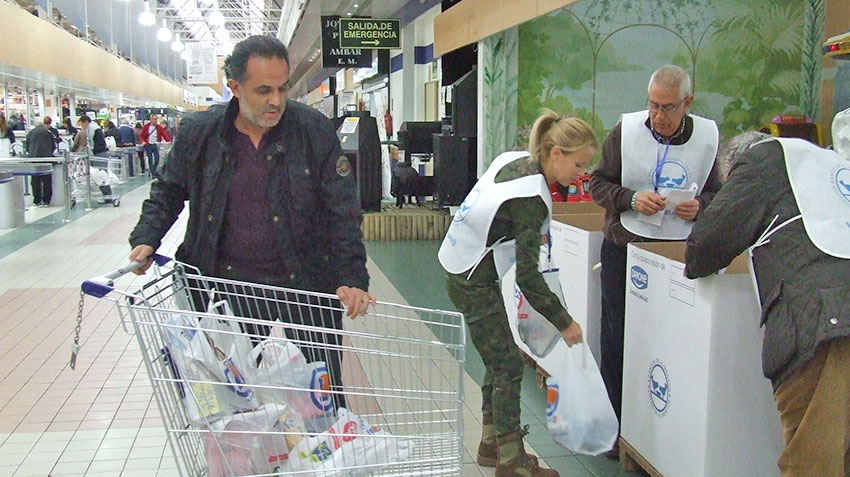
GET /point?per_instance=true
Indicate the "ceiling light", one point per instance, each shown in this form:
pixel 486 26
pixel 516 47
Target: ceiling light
pixel 216 18
pixel 356 6
pixel 184 55
pixel 147 18
pixel 177 45
pixel 348 13
pixel 164 34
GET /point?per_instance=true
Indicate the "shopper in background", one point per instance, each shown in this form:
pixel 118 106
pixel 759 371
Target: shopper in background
pixel 647 152
pixel 41 142
pixel 272 200
pixel 803 283
pixel 511 201
pixel 69 128
pixel 113 132
pixel 95 140
pixel 7 133
pixel 140 148
pixel 153 133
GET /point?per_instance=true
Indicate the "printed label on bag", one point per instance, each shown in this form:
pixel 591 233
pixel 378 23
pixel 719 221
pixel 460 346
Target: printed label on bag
pixel 234 377
pixel 207 401
pixel 320 382
pixel 551 400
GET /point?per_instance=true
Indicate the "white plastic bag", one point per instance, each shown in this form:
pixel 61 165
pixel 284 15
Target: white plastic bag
pixel 282 365
pixel 534 329
pixel 194 357
pixel 578 412
pixel 351 447
pixel 261 446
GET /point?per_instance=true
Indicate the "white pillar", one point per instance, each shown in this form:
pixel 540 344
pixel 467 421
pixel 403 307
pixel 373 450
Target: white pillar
pixel 408 74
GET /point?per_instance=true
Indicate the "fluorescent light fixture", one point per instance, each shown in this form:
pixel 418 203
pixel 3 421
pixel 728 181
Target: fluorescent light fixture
pixel 177 45
pixel 147 17
pixel 164 34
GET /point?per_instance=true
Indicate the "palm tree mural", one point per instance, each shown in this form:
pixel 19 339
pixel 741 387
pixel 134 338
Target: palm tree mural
pixel 754 58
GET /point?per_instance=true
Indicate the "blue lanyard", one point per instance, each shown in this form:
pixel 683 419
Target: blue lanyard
pixel 659 164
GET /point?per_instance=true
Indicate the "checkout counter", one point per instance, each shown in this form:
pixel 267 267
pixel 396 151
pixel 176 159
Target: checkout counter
pixel 14 173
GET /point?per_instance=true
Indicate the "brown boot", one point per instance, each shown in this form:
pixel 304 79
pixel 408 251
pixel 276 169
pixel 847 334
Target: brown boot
pixel 523 465
pixel 488 448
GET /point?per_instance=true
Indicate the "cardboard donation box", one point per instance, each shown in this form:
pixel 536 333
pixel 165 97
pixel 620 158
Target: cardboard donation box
pixel 695 402
pixel 576 240
pixel 562 208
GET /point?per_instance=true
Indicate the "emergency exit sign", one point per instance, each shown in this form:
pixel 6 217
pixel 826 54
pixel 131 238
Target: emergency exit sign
pixel 370 33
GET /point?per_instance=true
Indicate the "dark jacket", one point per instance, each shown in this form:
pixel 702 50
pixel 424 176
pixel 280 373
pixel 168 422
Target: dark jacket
pixel 607 190
pixel 312 195
pixel 99 140
pixel 802 289
pixel 40 142
pixel 114 133
pixel 404 180
pixel 128 136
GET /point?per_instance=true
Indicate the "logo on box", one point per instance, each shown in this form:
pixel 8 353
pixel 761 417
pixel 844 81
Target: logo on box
pixel 659 388
pixel 639 277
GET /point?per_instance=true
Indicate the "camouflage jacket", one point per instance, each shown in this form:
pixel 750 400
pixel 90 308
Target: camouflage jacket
pixel 521 219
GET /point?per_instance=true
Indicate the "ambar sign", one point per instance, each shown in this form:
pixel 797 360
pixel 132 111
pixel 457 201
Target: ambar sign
pixel 370 33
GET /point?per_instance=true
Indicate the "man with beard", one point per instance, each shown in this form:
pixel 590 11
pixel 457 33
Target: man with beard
pixel 272 200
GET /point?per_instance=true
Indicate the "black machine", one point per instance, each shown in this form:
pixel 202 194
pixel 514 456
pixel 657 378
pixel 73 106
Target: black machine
pixel 455 149
pixel 358 135
pixel 416 137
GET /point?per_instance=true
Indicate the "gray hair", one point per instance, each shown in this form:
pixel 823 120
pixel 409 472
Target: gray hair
pixel 669 77
pixel 731 150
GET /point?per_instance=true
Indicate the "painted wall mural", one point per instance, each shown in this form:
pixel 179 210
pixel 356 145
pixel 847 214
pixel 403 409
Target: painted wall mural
pixel 593 59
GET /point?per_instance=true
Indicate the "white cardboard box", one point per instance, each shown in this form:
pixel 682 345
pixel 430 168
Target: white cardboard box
pixel 576 241
pixel 695 402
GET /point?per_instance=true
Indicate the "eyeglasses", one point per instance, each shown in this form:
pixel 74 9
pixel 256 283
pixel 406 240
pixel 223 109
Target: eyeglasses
pixel 664 108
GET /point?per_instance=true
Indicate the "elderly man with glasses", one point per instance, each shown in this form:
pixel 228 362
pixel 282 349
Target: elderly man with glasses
pixel 647 154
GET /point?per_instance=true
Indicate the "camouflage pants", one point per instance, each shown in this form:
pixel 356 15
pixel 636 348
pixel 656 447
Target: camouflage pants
pixel 484 312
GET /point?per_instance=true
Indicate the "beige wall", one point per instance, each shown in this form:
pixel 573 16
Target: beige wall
pixel 471 20
pixel 37 45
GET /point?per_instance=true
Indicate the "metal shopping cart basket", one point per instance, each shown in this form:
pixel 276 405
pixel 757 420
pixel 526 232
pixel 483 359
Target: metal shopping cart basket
pixel 93 172
pixel 245 396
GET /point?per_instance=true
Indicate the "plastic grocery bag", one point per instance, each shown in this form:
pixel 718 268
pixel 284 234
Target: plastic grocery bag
pixel 578 412
pixel 255 442
pixel 534 329
pixel 351 447
pixel 193 355
pixel 282 365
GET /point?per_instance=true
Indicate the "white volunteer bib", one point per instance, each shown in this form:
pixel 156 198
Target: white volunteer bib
pixel 466 240
pixel 820 180
pixel 687 164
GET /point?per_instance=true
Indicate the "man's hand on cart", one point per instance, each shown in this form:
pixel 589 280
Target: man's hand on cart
pixel 572 334
pixel 142 254
pixel 356 301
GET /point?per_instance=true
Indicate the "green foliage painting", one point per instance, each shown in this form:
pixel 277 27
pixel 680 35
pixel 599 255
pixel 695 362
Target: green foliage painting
pixel 593 59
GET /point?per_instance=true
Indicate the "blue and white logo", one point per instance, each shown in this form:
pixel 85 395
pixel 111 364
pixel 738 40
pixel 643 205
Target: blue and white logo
pixel 673 175
pixel 659 388
pixel 466 206
pixel 841 177
pixel 639 277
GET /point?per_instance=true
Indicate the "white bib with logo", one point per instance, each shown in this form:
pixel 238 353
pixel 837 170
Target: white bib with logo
pixel 465 243
pixel 687 164
pixel 820 179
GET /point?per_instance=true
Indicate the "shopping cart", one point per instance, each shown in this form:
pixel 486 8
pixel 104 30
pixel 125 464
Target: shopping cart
pixel 99 172
pixel 395 409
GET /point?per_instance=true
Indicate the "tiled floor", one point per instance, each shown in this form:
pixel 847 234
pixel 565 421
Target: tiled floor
pixel 100 419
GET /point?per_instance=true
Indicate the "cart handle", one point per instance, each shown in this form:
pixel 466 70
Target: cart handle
pixel 99 287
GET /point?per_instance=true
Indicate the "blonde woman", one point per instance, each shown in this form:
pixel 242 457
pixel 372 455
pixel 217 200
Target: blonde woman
pixel 511 201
